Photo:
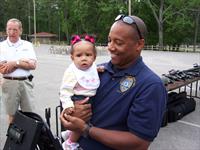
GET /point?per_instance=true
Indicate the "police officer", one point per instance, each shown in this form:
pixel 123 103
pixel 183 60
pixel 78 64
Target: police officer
pixel 128 108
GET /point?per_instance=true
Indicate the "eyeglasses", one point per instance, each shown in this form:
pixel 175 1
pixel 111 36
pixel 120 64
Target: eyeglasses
pixel 129 20
pixel 76 38
pixel 12 30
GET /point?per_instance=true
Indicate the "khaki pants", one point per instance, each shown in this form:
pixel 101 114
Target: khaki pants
pixel 1 78
pixel 17 95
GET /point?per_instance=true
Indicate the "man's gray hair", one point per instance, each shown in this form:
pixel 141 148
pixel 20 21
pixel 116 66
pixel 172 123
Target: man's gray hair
pixel 16 20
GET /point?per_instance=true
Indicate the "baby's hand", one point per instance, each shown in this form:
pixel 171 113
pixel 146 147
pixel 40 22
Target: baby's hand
pixel 100 68
pixel 69 110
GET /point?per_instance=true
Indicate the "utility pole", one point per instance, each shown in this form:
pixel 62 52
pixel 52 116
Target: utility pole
pixel 58 10
pixel 129 7
pixel 34 22
pixel 29 18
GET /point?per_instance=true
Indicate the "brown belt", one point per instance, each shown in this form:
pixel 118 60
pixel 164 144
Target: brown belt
pixel 16 78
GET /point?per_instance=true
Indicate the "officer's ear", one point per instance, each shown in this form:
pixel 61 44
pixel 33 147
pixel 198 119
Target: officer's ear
pixel 140 45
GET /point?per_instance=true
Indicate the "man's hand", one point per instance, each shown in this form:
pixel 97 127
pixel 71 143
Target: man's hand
pixel 2 66
pixel 72 123
pixel 82 109
pixel 7 67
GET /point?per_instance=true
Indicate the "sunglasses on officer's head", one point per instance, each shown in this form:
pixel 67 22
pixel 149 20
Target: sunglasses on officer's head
pixel 129 20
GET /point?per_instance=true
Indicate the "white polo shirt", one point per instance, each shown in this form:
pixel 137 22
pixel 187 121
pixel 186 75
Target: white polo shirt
pixel 14 51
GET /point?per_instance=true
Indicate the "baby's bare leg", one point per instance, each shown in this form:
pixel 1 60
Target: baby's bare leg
pixel 74 136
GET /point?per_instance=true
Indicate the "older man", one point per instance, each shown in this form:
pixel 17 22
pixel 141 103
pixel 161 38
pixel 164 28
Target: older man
pixel 17 58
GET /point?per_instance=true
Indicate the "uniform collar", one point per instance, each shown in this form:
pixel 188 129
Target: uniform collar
pixel 16 44
pixel 132 70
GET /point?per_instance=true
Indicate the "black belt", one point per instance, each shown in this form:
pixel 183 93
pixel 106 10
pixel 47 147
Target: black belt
pixel 30 77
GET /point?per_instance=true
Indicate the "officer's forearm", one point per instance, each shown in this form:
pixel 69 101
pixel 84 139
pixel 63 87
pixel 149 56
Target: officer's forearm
pixel 118 139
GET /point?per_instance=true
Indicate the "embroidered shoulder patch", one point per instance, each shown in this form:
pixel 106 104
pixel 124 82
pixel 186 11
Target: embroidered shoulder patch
pixel 126 83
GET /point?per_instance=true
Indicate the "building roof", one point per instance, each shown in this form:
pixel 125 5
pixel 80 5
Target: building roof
pixel 43 34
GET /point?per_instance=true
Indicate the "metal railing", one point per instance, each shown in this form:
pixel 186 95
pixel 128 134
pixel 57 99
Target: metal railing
pixel 182 48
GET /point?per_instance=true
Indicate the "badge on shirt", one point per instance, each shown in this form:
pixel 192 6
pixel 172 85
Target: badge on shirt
pixel 126 83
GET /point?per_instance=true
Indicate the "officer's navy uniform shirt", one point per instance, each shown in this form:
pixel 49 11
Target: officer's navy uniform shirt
pixel 132 100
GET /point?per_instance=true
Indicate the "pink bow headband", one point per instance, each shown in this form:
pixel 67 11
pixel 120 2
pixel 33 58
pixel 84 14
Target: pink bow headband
pixel 77 38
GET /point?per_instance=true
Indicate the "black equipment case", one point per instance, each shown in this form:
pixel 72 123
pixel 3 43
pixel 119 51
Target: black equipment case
pixel 179 105
pixel 30 132
pixel 178 110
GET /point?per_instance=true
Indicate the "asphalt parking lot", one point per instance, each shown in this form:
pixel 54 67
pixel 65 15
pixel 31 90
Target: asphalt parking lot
pixel 181 135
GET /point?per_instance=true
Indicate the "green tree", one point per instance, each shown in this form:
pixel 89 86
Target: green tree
pixel 167 11
pixel 9 9
pixel 194 8
pixel 169 22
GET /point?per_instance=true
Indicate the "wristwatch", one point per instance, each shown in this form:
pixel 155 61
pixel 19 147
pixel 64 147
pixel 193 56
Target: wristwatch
pixel 87 130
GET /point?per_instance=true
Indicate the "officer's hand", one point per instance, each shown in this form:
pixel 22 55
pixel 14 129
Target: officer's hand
pixel 72 123
pixel 82 109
